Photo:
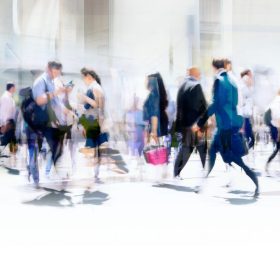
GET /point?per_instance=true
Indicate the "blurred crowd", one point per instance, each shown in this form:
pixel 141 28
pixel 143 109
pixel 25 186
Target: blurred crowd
pixel 242 111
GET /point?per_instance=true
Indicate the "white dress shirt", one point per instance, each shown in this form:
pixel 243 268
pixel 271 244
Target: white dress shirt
pixel 7 108
pixel 247 105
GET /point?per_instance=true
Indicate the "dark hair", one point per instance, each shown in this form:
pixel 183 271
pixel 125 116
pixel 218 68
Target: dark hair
pixel 218 63
pixel 54 65
pixel 92 73
pixel 9 86
pixel 245 73
pixel 163 99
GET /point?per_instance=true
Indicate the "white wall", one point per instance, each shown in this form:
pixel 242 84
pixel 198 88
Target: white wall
pixel 146 33
pixel 256 32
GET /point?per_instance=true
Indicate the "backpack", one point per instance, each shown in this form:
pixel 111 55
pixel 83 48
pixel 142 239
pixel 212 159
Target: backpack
pixel 35 116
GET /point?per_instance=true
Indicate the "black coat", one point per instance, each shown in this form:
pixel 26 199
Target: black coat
pixel 191 104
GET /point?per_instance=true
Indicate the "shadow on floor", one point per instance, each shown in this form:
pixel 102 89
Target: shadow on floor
pixel 9 170
pixel 246 200
pixel 94 198
pixel 240 192
pixel 64 198
pixel 174 187
pixel 241 201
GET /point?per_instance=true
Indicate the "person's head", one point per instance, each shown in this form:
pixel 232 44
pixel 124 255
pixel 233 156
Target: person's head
pixel 90 76
pixel 228 65
pixel 218 64
pixel 54 69
pixel 247 77
pixel 194 72
pixel 155 83
pixel 247 73
pixel 11 87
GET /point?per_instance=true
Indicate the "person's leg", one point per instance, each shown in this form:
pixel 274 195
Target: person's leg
pixel 100 150
pixel 275 152
pixel 33 150
pixel 252 135
pixel 185 150
pixel 54 139
pixel 92 143
pixel 179 156
pixel 212 155
pixel 249 134
pixel 211 163
pixel 274 136
pixel 140 139
pixel 48 134
pixel 202 150
pixel 183 156
pixel 73 149
pixel 49 162
pixel 60 144
pixel 250 173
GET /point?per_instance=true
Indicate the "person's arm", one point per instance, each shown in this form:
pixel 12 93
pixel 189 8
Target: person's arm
pixel 154 124
pixel 179 109
pixel 212 108
pixel 202 101
pixel 40 94
pixel 154 114
pixel 42 99
pixel 90 101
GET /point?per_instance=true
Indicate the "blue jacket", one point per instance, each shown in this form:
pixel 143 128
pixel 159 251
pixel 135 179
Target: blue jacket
pixel 224 104
pixel 151 109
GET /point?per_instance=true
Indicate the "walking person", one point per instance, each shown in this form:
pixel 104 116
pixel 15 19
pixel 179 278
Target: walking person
pixel 93 118
pixel 227 139
pixel 134 128
pixel 274 128
pixel 155 116
pixel 8 117
pixel 46 98
pixel 247 105
pixel 65 120
pixel 154 109
pixel 191 105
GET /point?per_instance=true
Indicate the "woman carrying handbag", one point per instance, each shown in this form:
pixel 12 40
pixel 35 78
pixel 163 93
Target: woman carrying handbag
pixel 154 113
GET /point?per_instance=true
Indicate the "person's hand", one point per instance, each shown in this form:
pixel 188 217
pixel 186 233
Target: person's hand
pixel 195 128
pixel 154 137
pixel 68 89
pixel 199 134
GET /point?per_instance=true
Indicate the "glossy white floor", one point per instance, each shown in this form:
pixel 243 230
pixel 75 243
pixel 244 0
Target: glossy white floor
pixel 139 226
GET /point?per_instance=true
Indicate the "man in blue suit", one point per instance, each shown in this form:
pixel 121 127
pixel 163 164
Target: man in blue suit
pixel 227 140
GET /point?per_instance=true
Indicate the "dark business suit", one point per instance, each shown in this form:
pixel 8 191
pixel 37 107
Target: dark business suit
pixel 191 105
pixel 224 107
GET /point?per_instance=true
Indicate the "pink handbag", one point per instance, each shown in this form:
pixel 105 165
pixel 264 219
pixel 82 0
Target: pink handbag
pixel 156 155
